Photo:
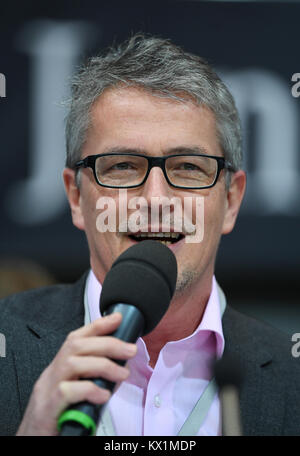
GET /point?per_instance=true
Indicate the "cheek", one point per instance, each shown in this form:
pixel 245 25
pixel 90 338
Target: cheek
pixel 90 212
pixel 207 211
pixel 214 211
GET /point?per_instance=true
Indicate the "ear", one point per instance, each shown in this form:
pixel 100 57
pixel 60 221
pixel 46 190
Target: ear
pixel 234 199
pixel 73 195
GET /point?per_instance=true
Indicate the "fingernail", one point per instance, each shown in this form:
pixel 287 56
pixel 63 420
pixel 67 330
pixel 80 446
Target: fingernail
pixel 131 349
pixel 125 373
pixel 107 395
pixel 114 316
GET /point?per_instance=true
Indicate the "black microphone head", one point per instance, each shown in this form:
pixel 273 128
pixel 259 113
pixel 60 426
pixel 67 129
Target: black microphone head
pixel 228 372
pixel 144 276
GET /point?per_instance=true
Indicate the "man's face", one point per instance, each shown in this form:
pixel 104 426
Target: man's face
pixel 134 120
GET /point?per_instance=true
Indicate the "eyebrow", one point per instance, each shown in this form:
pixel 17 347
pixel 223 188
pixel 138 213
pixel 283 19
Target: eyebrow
pixel 172 151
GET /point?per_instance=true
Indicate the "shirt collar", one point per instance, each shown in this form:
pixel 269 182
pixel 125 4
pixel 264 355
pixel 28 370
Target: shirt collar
pixel 212 318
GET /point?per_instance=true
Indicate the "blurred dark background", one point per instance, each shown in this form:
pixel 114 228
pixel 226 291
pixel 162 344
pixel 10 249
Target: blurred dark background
pixel 255 48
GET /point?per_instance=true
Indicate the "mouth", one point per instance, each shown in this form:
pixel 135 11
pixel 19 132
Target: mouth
pixel 164 238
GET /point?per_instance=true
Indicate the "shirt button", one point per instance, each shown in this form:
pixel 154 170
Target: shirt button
pixel 157 401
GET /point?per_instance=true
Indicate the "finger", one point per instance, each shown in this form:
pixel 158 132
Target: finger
pixel 71 392
pixel 99 327
pixel 107 346
pixel 76 367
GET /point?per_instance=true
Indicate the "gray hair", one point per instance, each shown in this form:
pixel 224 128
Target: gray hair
pixel 162 68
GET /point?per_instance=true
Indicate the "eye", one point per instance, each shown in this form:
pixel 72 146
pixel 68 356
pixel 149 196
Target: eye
pixel 122 166
pixel 189 166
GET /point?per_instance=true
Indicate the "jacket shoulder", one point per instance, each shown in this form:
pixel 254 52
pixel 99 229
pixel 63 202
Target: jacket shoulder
pixel 259 334
pixel 42 304
pixel 270 395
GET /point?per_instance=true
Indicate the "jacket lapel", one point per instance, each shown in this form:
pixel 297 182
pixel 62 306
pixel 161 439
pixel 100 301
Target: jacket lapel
pixel 261 401
pixel 42 338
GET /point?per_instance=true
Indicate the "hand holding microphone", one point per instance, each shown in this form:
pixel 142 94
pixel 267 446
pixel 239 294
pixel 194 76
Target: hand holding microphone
pixel 139 285
pixel 87 352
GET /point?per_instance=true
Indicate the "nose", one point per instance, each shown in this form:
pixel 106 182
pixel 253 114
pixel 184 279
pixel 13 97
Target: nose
pixel 156 185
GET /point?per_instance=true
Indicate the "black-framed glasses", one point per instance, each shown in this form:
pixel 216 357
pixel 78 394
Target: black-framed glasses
pixel 189 171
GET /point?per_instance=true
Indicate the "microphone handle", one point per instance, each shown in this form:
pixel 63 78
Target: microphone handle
pixel 81 419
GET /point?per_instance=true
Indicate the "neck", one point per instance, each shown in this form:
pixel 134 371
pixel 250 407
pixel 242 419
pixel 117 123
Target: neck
pixel 181 319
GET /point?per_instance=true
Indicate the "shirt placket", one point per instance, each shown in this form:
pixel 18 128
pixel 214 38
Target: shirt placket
pixel 159 406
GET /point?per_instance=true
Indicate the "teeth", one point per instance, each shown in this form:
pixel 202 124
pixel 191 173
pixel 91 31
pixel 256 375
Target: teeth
pixel 159 235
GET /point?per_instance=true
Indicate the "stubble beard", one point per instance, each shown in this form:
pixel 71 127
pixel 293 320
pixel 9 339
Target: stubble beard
pixel 185 280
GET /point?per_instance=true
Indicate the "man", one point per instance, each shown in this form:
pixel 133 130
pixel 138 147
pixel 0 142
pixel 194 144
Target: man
pixel 144 100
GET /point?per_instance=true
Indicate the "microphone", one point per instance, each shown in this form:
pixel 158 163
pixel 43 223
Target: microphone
pixel 139 285
pixel 229 378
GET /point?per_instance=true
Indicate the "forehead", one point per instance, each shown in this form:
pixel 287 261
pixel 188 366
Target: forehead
pixel 132 117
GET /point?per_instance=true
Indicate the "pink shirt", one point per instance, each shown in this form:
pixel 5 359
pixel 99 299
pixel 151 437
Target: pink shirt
pixel 156 402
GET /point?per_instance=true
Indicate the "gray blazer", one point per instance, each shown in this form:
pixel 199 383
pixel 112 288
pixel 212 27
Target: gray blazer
pixel 35 324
